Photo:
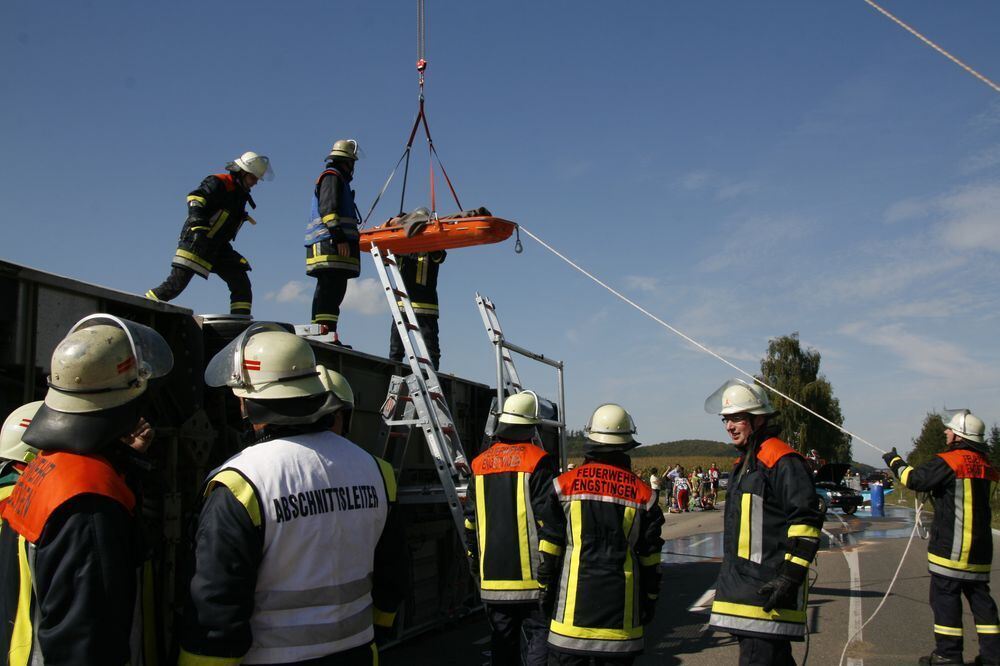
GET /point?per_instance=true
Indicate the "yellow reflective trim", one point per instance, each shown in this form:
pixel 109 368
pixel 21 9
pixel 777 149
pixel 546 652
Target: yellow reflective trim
pixel 198 228
pixel 550 548
pixel 148 615
pixel 221 218
pixel 323 258
pixel 576 520
pixel 628 518
pixel 601 634
pixel 325 317
pixel 195 198
pixel 422 269
pixel 988 628
pixel 241 490
pixel 966 521
pixel 241 304
pixel 803 531
pixel 524 550
pixel 894 460
pixel 190 256
pixel 469 525
pixel 21 637
pixel 796 560
pixel 510 584
pixel 186 658
pixel 904 475
pixel 757 612
pixel 743 550
pixel 961 566
pixel 389 476
pixel 947 631
pixel 481 522
pixel 383 618
pixel 374 654
pixel 151 296
pixel 6 491
pixel 328 218
pixel 649 560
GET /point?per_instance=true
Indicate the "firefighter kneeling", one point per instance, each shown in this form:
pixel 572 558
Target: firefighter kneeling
pixel 601 550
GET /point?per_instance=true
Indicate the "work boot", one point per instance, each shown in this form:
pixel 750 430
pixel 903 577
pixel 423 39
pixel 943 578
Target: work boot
pixel 934 658
pixel 982 662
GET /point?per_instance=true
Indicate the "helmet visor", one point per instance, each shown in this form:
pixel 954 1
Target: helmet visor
pixel 227 368
pixel 152 353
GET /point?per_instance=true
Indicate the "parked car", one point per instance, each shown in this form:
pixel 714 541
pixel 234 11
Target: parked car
pixel 877 477
pixel 832 492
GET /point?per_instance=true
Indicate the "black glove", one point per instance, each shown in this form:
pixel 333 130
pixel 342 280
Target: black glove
pixel 547 601
pixel 780 592
pixel 889 457
pixel 382 634
pixel 647 610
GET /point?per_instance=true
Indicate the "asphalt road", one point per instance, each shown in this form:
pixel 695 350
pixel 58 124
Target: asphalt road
pixel 857 560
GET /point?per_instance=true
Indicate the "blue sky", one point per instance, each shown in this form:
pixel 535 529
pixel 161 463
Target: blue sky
pixel 743 170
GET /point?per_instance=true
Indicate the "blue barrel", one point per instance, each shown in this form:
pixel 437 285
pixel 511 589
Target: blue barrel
pixel 878 500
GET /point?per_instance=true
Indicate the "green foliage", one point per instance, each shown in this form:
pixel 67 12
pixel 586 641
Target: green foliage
pixel 929 442
pixel 795 372
pixel 993 442
pixel 685 447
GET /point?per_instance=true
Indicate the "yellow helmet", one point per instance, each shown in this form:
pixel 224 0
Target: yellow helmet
pixel 966 425
pixel 738 397
pixel 610 424
pixel 345 148
pixel 520 409
pixel 11 446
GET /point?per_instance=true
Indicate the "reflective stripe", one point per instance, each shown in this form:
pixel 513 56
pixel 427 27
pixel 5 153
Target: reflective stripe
pixel 954 573
pixel 894 460
pixel 389 476
pixel 314 634
pixel 190 256
pixel 325 317
pixel 796 560
pixel 481 522
pixel 469 525
pixel 241 490
pixel 550 548
pixel 384 618
pixel 198 228
pixel 952 564
pixel 150 295
pixel 194 198
pixel 738 624
pixel 803 531
pixel 650 560
pixel 904 476
pixel 745 610
pixel 22 635
pixel 524 550
pixel 332 259
pixel 329 595
pixel 966 522
pixel 576 520
pixel 328 218
pixel 956 533
pixel 190 659
pixel 598 633
pixel 597 498
pixel 743 549
pixel 988 628
pixel 628 520
pixel 757 529
pixel 220 219
pixel 533 557
pixel 947 631
pixel 374 654
pixel 594 645
pixel 511 595
pixel 241 305
pixel 422 269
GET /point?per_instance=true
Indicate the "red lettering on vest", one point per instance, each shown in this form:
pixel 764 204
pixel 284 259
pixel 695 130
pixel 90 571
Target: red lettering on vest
pixel 51 480
pixel 969 464
pixel 605 480
pixel 773 450
pixel 503 457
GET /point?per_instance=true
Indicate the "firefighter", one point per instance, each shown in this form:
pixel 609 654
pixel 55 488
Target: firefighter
pixel 298 546
pixel 14 453
pixel 512 482
pixel 71 543
pixel 216 211
pixel 420 276
pixel 771 531
pixel 960 552
pixel 332 253
pixel 600 548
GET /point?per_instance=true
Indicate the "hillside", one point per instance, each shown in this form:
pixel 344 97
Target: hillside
pixel 685 447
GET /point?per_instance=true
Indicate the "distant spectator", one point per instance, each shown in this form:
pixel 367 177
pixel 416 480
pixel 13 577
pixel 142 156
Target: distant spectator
pixel 682 490
pixel 655 482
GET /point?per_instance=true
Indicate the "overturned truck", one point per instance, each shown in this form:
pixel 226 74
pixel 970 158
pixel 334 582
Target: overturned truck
pixel 198 427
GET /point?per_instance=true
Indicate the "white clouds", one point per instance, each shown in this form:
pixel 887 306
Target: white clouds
pixel 641 283
pixel 756 237
pixel 365 295
pixel 721 186
pixel 986 158
pixel 293 291
pixel 695 180
pixel 967 218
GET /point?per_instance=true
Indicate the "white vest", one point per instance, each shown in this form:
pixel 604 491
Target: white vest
pixel 323 504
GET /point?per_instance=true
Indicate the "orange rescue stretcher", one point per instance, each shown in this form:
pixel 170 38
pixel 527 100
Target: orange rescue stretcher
pixel 441 234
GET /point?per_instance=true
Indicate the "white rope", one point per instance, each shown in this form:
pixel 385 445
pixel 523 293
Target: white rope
pixel 934 46
pixel 694 342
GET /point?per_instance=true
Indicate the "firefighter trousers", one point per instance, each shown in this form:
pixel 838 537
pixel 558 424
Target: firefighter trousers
pixel 507 621
pixel 756 651
pixel 235 277
pixel 428 329
pixel 946 602
pixel 567 659
pixel 331 286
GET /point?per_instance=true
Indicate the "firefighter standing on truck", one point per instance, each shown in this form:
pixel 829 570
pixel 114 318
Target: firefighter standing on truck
pixel 298 549
pixel 216 211
pixel 420 276
pixel 333 255
pixel 14 453
pixel 771 531
pixel 600 546
pixel 960 552
pixel 512 482
pixel 71 546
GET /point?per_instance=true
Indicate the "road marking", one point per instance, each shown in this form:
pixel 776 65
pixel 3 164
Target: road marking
pixel 854 621
pixel 699 542
pixel 704 601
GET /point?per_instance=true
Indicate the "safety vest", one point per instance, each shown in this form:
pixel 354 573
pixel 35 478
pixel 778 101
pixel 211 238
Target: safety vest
pixel 506 527
pixel 216 212
pixel 961 544
pixel 317 228
pixel 598 607
pixel 755 529
pixel 321 503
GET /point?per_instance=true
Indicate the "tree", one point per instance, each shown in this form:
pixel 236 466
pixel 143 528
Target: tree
pixel 795 372
pixel 929 442
pixel 993 444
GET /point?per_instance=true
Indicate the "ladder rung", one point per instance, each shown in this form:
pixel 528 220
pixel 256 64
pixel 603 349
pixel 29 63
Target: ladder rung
pixel 399 293
pixel 388 261
pixel 398 434
pixel 411 327
pixel 421 359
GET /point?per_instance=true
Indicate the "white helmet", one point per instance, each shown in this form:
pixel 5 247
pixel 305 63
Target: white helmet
pixel 520 409
pixel 258 165
pixel 611 424
pixel 11 446
pixel 966 425
pixel 738 397
pixel 105 362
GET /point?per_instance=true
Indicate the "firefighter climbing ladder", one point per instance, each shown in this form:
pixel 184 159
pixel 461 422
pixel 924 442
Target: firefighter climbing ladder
pixel 417 399
pixel 508 381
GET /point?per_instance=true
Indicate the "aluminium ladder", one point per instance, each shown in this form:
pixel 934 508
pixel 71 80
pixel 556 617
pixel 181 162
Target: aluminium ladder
pixel 417 399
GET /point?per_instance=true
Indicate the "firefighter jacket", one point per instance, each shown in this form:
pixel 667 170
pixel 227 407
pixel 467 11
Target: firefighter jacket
pixel 961 543
pixel 420 275
pixel 72 559
pixel 297 553
pixel 771 523
pixel 10 471
pixel 216 211
pixel 510 487
pixel 604 535
pixel 332 220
